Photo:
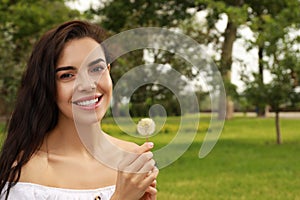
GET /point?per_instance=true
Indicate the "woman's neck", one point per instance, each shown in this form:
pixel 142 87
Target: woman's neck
pixel 83 140
pixel 65 138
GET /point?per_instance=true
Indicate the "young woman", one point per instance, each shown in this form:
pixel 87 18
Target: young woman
pixel 65 90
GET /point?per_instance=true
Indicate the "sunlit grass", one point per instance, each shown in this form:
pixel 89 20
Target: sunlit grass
pixel 246 163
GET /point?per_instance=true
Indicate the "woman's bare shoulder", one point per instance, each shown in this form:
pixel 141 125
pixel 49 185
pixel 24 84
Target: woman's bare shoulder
pixel 34 167
pixel 128 146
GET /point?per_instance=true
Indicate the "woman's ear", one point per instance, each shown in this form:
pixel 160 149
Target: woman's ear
pixel 108 67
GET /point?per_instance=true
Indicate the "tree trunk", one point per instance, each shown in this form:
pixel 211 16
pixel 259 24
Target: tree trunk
pixel 226 62
pixel 260 63
pixel 222 107
pixel 116 109
pixel 261 109
pixel 278 139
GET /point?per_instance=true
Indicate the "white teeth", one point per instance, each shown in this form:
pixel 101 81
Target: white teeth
pixel 87 103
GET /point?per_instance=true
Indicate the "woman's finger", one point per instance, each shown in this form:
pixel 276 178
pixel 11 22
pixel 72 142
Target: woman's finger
pixel 150 178
pixel 139 163
pixel 151 190
pixel 148 167
pixel 133 161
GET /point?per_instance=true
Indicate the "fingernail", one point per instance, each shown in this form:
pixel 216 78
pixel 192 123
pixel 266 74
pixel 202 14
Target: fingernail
pixel 150 144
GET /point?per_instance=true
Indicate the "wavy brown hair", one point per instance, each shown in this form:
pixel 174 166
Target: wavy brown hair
pixel 36 111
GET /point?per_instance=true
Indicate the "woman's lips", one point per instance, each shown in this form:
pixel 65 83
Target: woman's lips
pixel 89 103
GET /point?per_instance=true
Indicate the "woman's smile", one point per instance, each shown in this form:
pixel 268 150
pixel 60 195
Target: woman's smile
pixel 89 103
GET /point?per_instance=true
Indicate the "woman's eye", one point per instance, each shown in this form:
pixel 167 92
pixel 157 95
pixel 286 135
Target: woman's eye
pixel 66 76
pixel 97 69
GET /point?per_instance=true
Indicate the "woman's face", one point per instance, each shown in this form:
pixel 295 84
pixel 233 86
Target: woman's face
pixel 84 86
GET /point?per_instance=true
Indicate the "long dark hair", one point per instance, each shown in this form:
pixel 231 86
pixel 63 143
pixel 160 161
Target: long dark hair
pixel 36 111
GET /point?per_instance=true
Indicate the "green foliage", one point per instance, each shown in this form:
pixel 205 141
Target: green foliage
pixel 21 24
pixel 10 72
pixel 282 88
pixel 235 10
pixel 231 89
pixel 255 92
pixel 133 14
pixel 280 92
pixel 272 22
pixel 119 15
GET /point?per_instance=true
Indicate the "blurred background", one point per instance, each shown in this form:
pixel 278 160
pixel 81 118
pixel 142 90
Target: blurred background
pixel 254 43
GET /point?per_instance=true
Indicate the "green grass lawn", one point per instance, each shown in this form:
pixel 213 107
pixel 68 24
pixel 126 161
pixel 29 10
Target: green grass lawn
pixel 245 163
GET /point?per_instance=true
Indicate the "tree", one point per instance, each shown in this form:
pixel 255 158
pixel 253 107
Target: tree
pixel 280 91
pixel 132 14
pixel 145 13
pixel 270 21
pixel 138 13
pixel 236 12
pixel 21 24
pixel 282 52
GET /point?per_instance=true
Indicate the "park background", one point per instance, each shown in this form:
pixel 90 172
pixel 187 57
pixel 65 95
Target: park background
pixel 255 45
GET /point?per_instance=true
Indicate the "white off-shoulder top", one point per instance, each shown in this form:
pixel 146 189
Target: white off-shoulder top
pixel 31 191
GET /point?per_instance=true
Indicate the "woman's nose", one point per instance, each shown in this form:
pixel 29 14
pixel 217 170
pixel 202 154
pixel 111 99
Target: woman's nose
pixel 88 86
pixel 84 82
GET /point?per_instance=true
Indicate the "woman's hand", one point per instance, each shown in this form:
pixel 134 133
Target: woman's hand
pixel 137 175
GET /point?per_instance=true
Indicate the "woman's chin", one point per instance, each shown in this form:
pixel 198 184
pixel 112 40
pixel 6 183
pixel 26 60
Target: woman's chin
pixel 88 119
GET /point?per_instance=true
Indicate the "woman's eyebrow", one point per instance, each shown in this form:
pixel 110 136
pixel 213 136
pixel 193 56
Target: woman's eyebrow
pixel 95 62
pixel 74 68
pixel 65 68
